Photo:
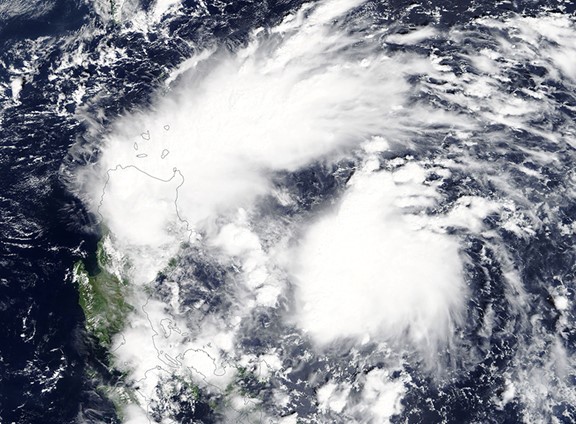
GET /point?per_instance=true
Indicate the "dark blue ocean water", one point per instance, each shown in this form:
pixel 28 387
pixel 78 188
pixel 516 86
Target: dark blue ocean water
pixel 44 229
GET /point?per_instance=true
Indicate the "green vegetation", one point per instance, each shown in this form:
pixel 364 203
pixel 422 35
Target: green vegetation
pixel 172 263
pixel 102 297
pixel 101 255
pixel 169 268
pixel 213 404
pixel 120 396
pixel 245 383
pixel 188 384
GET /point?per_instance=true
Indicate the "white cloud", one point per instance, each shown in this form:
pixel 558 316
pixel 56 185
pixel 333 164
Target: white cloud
pixel 333 396
pixel 375 268
pixel 367 269
pixel 285 100
pixel 383 395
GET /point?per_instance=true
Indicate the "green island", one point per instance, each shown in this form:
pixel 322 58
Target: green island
pixel 102 298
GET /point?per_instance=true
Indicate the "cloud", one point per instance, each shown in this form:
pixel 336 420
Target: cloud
pixel 295 95
pixel 377 267
pixel 372 268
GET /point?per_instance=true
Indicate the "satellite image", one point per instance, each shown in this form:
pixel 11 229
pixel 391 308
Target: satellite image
pixel 287 212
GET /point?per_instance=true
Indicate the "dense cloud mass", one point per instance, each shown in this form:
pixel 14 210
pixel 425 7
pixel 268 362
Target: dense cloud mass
pixel 306 90
pixel 368 270
pixel 388 262
pixel 336 211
